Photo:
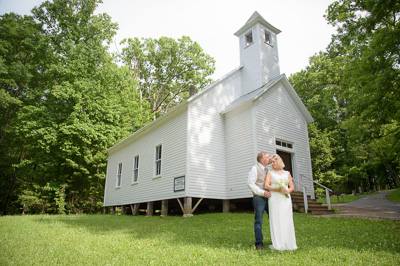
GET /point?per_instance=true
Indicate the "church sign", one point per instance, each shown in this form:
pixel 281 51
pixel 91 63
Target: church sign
pixel 179 183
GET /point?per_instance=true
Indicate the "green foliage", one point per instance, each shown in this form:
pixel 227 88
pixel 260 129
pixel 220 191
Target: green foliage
pixel 322 152
pixel 319 86
pixel 352 91
pixel 163 69
pixel 209 239
pixel 21 52
pixel 368 35
pixel 32 201
pixel 66 114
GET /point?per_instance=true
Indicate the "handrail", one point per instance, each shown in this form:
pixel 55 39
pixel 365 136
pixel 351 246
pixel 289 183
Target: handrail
pixel 304 195
pixel 328 200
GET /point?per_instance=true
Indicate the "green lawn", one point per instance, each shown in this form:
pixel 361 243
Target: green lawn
pixel 208 239
pixel 394 196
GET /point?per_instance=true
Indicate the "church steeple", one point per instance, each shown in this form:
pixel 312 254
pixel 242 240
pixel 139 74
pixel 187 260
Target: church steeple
pixel 258 52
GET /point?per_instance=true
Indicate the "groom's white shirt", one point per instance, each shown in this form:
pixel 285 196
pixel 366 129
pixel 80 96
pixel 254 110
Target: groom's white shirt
pixel 251 181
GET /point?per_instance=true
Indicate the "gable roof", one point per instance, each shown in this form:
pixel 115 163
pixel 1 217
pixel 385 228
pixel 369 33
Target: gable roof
pixel 254 95
pixel 256 17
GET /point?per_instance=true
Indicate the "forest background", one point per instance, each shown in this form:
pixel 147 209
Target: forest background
pixel 65 99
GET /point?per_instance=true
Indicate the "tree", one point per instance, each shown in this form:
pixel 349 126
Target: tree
pixel 20 38
pixel 368 35
pixel 320 88
pixel 352 91
pixel 164 69
pixel 78 110
pixel 78 117
pixel 21 56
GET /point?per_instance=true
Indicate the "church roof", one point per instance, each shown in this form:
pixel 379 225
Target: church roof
pixel 256 17
pixel 251 96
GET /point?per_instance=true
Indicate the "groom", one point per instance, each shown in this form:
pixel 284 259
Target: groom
pixel 256 182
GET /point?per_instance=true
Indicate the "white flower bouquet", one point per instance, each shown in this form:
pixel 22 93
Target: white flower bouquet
pixel 283 184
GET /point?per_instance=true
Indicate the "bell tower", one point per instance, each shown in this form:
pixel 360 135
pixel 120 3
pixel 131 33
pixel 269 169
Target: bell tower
pixel 258 53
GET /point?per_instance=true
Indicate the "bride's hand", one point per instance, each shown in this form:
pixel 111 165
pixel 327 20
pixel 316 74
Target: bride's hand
pixel 285 191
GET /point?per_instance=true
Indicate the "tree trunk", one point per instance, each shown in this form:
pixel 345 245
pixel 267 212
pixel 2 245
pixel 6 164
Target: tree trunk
pixel 21 156
pixel 392 171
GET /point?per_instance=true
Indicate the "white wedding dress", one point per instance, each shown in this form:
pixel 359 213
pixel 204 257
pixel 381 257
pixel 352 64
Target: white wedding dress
pixel 281 216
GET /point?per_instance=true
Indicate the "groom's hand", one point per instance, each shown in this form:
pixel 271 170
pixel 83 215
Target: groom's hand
pixel 267 194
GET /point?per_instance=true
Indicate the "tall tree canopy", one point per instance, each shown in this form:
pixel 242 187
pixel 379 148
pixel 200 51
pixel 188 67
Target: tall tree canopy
pixel 352 90
pixel 369 35
pixel 163 69
pixel 320 87
pixel 71 111
pixel 22 55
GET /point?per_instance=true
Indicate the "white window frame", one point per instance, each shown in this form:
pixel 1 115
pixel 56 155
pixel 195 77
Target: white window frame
pixel 286 145
pixel 135 169
pixel 247 42
pixel 119 175
pixel 158 161
pixel 269 41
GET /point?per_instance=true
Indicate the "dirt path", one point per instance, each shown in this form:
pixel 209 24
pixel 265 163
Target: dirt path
pixel 370 207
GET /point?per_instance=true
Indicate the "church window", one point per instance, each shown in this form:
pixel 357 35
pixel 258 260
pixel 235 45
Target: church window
pixel 119 175
pixel 158 161
pixel 249 38
pixel 284 144
pixel 267 37
pixel 135 173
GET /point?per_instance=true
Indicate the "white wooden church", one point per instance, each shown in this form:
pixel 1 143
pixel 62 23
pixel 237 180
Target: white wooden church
pixel 203 148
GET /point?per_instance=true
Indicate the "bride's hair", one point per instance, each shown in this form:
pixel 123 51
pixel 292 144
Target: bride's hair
pixel 278 159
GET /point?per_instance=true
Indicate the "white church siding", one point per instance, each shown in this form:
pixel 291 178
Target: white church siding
pixel 171 134
pixel 250 59
pixel 207 139
pixel 277 117
pixel 239 151
pixel 269 56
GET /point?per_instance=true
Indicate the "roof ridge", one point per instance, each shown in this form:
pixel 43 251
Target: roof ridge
pixel 253 17
pixel 256 17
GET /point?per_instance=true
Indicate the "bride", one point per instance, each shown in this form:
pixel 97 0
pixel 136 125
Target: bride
pixel 280 183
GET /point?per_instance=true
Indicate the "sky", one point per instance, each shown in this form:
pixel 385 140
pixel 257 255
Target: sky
pixel 212 24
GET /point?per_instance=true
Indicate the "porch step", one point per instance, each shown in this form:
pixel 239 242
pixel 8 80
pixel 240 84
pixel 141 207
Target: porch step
pixel 314 207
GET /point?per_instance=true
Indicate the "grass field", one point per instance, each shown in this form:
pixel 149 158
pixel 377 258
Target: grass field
pixel 208 239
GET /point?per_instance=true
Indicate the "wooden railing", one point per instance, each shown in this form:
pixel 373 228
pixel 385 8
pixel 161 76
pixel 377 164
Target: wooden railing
pixel 304 194
pixel 328 201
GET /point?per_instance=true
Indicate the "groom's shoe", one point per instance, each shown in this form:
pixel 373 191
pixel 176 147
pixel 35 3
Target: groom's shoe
pixel 259 247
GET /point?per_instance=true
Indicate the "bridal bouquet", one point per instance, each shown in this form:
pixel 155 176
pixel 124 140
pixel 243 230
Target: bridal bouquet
pixel 283 184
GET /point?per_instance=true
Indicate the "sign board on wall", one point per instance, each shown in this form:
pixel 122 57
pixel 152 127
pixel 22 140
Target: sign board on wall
pixel 179 183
